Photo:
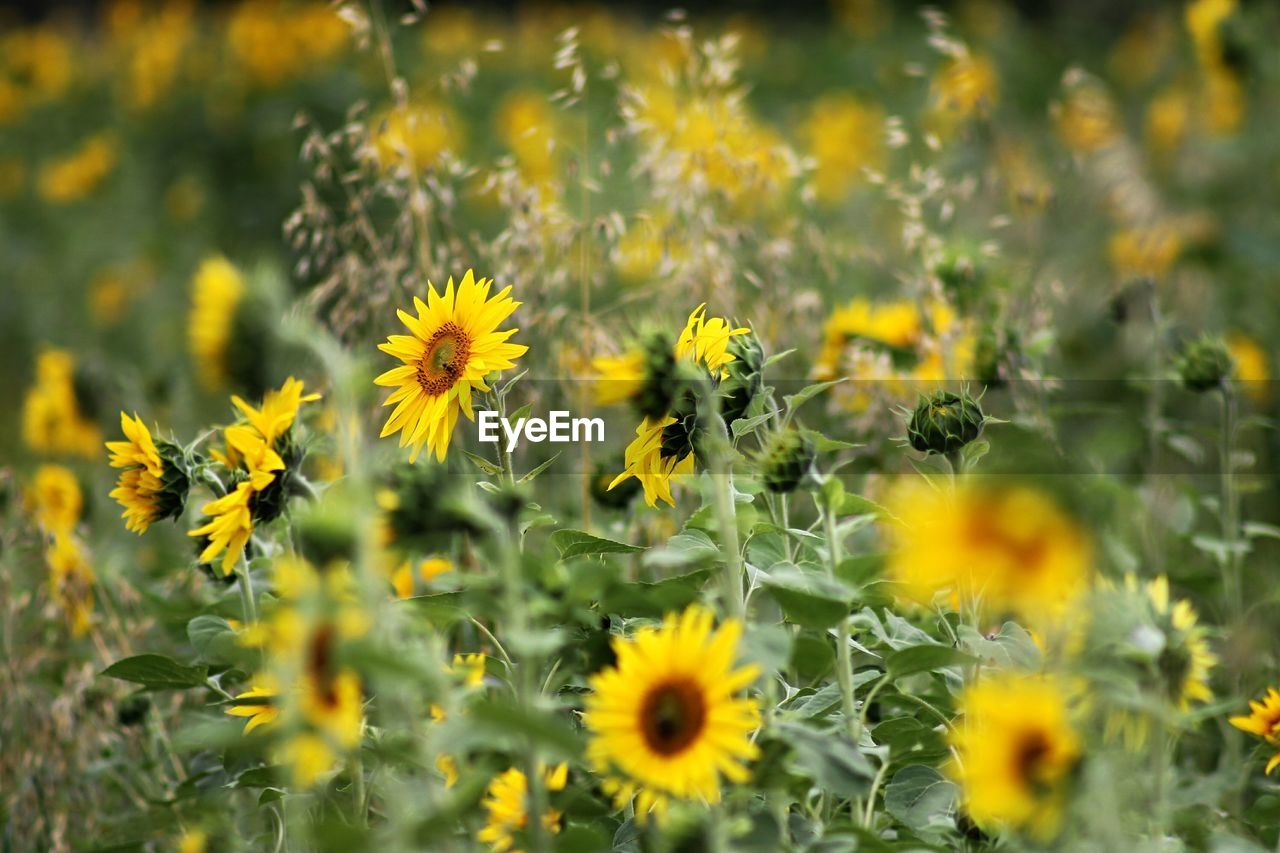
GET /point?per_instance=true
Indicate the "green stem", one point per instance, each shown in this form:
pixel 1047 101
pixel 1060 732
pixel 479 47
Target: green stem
pixel 844 658
pixel 247 605
pixel 1229 505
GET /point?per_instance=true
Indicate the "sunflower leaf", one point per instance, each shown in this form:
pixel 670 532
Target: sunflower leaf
pixel 157 672
pixel 920 797
pixel 579 543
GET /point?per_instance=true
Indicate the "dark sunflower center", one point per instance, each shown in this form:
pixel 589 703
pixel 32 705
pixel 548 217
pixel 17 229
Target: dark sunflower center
pixel 1030 759
pixel 320 665
pixel 444 359
pixel 672 716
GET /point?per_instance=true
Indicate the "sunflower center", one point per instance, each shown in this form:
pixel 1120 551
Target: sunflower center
pixel 672 716
pixel 1030 759
pixel 444 359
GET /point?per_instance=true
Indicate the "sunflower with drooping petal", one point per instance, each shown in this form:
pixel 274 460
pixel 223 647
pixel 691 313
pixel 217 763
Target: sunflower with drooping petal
pixel 259 704
pixel 507 806
pixel 1263 720
pixel 666 721
pixel 278 412
pixel 150 487
pixel 1015 752
pixel 644 460
pixel 455 343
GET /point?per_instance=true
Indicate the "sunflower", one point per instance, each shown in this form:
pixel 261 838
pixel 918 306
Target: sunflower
pixel 53 417
pixel 454 345
pixel 998 548
pixel 150 486
pixel 706 341
pixel 260 707
pixel 217 292
pixel 1186 661
pixel 664 720
pixel 54 499
pixel 506 802
pixel 644 460
pixel 1015 753
pixel 1263 720
pixel 228 527
pixel 71 580
pixel 278 412
pixel 1253 370
pixel 334 703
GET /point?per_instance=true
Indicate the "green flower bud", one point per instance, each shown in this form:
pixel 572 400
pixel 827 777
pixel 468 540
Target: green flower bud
pixel 745 379
pixel 1205 364
pixel 786 461
pixel 944 422
pixel 175 481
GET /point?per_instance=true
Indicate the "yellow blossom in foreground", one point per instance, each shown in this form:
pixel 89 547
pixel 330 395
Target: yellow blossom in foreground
pixel 665 720
pixel 54 499
pixel 1016 749
pixel 216 293
pixel 1263 721
pixel 455 343
pixel 507 807
pixel 79 173
pixel 1001 548
pixel 334 704
pixel 310 759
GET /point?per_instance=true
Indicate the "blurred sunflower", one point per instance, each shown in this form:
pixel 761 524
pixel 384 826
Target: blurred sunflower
pixel 507 808
pixel 54 499
pixel 1016 750
pixel 664 720
pixel 1252 366
pixel 217 292
pixel 414 137
pixel 76 175
pixel 844 136
pixel 998 548
pixel 71 581
pixel 454 345
pixel 1263 720
pixel 53 412
pixel 151 487
pixel 1186 660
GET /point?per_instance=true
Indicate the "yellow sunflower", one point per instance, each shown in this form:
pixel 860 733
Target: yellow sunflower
pixel 54 499
pixel 217 291
pixel 261 711
pixel 507 807
pixel 455 343
pixel 643 460
pixel 278 412
pixel 229 527
pixel 1186 660
pixel 706 341
pixel 141 482
pixel 1015 752
pixel 71 580
pixel 52 418
pixel 1002 549
pixel 1263 721
pixel 665 721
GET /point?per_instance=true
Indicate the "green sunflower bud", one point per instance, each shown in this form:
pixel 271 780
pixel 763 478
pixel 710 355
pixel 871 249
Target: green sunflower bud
pixel 1205 364
pixel 944 422
pixel 786 461
pixel 621 495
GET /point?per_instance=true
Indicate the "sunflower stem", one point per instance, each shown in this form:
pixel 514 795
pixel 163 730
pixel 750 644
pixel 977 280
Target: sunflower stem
pixel 247 604
pixel 1229 504
pixel 844 659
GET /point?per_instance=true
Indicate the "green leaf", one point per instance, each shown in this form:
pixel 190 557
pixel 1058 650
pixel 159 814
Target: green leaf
pixel 1011 648
pixel 579 543
pixel 974 451
pixel 858 505
pixel 742 426
pixel 539 469
pixel 682 551
pixel 920 797
pixel 441 608
pixel 777 357
pixel 480 462
pixel 503 718
pixel 656 599
pixel 213 638
pixel 809 599
pixel 767 645
pixel 829 758
pixel 157 672
pixel 914 659
pixel 804 395
pixel 522 412
pixel 826 444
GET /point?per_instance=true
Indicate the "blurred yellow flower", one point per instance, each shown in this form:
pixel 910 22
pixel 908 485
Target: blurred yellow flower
pixel 71 581
pixel 414 137
pixel 1168 118
pixel 998 548
pixel 1252 366
pixel 894 324
pixel 507 808
pixel 333 703
pixel 52 419
pixel 216 293
pixel 844 135
pixel 1016 749
pixel 1145 252
pixel 967 85
pixel 309 758
pixel 1086 119
pixel 76 175
pixel 263 710
pixel 274 41
pixel 54 499
pixel 528 125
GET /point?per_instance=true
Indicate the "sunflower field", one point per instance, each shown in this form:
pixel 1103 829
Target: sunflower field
pixel 846 427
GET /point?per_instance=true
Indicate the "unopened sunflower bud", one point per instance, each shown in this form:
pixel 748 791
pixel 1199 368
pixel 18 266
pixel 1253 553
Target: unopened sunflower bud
pixel 944 422
pixel 1205 364
pixel 786 461
pixel 745 377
